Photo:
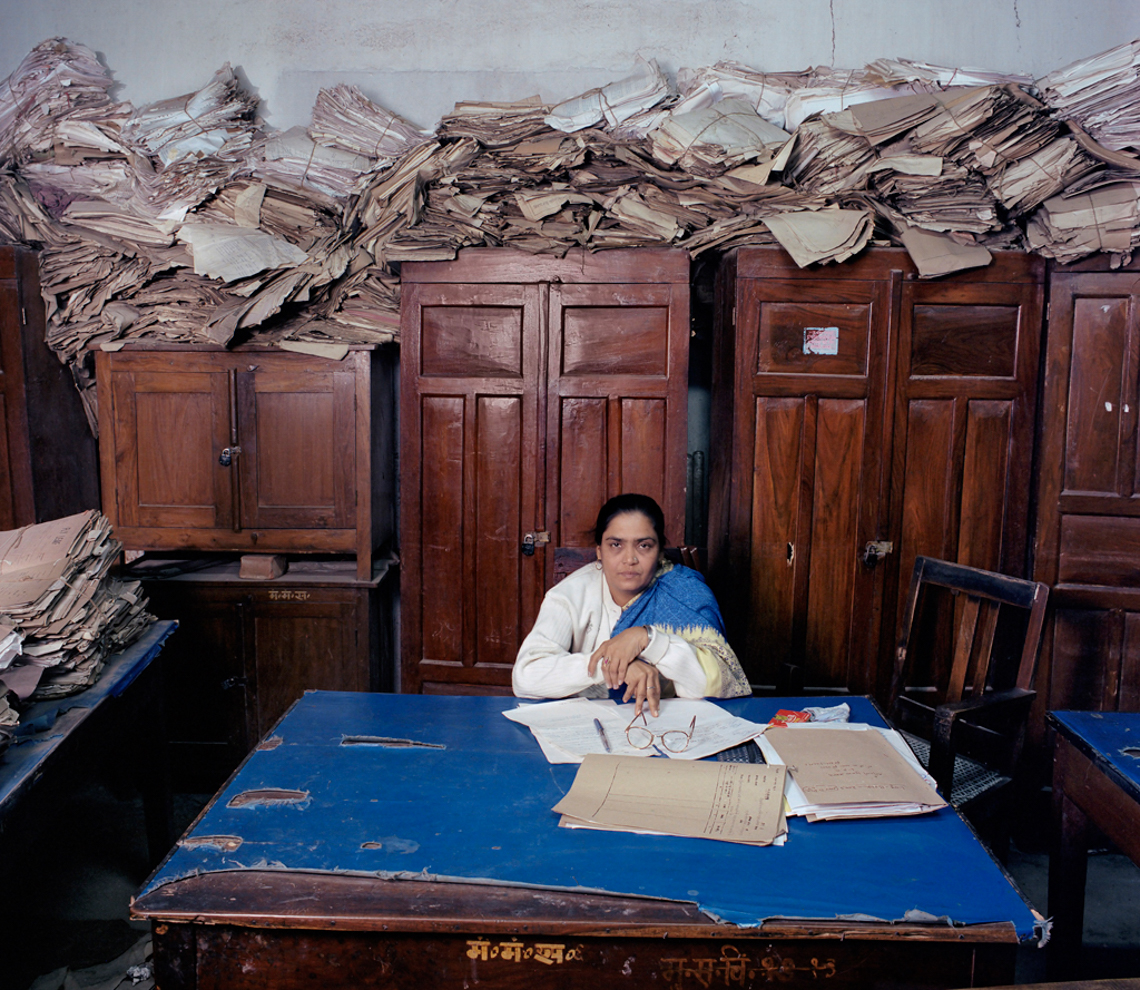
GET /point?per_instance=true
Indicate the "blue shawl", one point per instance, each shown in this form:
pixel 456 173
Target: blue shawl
pixel 679 602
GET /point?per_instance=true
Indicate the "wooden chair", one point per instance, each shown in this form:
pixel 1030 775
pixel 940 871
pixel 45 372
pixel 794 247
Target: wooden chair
pixel 569 559
pixel 963 679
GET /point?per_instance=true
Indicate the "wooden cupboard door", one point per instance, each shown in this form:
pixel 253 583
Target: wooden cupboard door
pixel 297 430
pixel 810 380
pixel 617 418
pixel 204 676
pixel 963 427
pixel 471 488
pixel 305 640
pixel 1110 636
pixel 168 430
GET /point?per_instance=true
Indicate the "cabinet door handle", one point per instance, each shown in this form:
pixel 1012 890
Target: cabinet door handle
pixel 225 458
pixel 233 682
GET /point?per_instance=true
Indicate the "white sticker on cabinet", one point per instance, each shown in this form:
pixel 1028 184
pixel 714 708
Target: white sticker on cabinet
pixel 821 340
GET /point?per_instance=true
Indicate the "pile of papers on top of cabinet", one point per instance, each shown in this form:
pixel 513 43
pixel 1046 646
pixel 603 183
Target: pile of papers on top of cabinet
pixel 58 598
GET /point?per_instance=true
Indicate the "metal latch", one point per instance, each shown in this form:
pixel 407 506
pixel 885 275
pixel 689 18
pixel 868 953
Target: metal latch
pixel 225 458
pixel 875 551
pixel 530 540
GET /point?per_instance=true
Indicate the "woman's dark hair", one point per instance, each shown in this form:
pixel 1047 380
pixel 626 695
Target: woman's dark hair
pixel 631 502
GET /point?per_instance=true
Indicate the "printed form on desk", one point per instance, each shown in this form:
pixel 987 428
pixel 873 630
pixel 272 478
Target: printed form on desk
pixel 733 802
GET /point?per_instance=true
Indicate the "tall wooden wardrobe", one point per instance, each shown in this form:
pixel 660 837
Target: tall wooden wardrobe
pixel 532 389
pixel 862 416
pixel 1088 530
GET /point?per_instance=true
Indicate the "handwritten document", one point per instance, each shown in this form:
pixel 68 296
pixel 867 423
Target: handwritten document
pixel 733 802
pixel 852 771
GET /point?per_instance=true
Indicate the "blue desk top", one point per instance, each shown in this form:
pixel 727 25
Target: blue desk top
pixel 1112 739
pixel 478 808
pixel 45 725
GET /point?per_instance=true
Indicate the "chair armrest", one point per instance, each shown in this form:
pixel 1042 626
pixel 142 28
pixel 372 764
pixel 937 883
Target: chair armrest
pixel 946 718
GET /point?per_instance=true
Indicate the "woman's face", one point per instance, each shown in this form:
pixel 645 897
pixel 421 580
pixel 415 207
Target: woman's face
pixel 629 553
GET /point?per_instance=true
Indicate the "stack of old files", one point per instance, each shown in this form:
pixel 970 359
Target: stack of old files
pixel 849 770
pixel 54 79
pixel 822 160
pixel 566 732
pixel 766 92
pixel 1101 94
pixel 57 593
pixel 941 197
pixel 711 139
pixel 821 236
pixel 344 118
pixel 892 71
pixel 496 125
pixel 614 103
pixel 294 160
pixel 1105 219
pixel 730 802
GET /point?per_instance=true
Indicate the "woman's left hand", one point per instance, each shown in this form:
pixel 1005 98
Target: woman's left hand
pixel 616 654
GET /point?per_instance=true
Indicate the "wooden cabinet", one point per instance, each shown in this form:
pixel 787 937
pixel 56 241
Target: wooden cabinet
pixel 862 417
pixel 48 460
pixel 251 449
pixel 533 388
pixel 1087 545
pixel 246 650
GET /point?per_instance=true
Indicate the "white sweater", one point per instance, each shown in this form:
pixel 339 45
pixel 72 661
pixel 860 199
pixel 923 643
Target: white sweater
pixel 576 617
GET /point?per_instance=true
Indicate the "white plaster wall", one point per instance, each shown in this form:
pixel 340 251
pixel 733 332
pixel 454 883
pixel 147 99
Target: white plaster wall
pixel 418 57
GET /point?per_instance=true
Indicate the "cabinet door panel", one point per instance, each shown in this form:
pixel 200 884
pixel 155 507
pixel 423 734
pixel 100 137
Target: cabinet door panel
pixel 303 646
pixel 298 439
pixel 169 430
pixel 1098 395
pixel 617 413
pixel 470 481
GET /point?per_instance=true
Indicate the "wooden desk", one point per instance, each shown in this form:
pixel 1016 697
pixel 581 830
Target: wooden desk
pixel 65 737
pixel 1096 782
pixel 329 861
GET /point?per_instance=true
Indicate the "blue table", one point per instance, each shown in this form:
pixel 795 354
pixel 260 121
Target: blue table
pixel 1096 784
pixel 449 853
pixel 54 735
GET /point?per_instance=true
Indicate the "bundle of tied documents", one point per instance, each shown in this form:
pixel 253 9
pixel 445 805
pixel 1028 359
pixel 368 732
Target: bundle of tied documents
pixel 62 608
pixel 849 770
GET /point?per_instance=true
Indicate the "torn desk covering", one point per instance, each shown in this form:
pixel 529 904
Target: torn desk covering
pixel 473 804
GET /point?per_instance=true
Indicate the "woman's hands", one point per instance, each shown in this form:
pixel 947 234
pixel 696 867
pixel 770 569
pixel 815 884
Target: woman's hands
pixel 619 661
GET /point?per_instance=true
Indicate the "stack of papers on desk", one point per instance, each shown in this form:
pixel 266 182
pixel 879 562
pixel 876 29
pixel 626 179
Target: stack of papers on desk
pixel 849 770
pixel 56 592
pixel 566 732
pixel 733 802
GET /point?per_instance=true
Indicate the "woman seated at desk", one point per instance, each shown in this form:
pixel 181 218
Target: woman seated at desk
pixel 630 618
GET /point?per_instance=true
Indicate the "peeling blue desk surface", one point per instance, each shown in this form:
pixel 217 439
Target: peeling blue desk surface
pixel 476 806
pixel 45 725
pixel 1111 739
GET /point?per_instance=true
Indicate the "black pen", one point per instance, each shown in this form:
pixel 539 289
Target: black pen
pixel 602 735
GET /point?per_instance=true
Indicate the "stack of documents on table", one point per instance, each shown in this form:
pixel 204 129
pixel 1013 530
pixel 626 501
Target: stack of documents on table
pixel 566 731
pixel 849 770
pixel 733 802
pixel 57 594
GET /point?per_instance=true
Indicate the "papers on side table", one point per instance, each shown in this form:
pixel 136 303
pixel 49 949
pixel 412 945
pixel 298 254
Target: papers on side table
pixel 849 770
pixel 565 729
pixel 733 802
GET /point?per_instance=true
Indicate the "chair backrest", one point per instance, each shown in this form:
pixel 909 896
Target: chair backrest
pixel 995 627
pixel 569 559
